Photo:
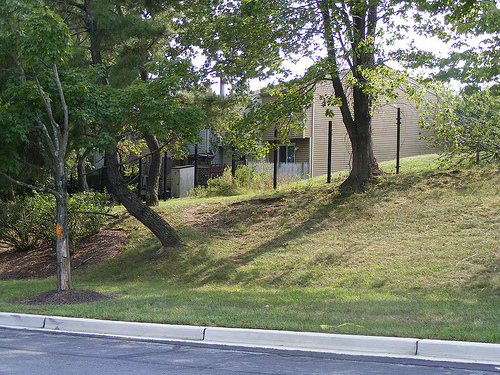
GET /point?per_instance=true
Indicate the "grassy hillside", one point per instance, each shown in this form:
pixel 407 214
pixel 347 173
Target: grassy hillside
pixel 416 254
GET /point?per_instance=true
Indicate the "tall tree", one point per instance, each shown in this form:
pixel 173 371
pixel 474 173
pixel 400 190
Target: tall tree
pixel 35 108
pixel 122 38
pixel 247 38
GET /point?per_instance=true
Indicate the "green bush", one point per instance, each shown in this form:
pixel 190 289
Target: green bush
pixel 249 177
pixel 224 185
pixel 246 179
pixel 25 225
pixel 82 220
pixel 30 222
pixel 466 127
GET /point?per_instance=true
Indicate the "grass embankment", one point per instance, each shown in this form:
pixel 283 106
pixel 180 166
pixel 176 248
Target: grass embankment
pixel 416 255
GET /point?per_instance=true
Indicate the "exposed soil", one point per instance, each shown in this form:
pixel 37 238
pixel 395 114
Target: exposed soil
pixel 67 297
pixel 41 263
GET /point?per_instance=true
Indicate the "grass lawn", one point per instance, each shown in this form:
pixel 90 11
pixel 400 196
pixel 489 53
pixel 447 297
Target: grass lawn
pixel 415 255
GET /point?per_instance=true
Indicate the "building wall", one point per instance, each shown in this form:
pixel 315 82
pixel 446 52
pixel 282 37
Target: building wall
pixel 312 143
pixel 384 134
pixel 294 132
pixel 384 131
pixel 301 150
pixel 204 145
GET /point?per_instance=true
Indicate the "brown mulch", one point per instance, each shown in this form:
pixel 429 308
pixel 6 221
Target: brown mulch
pixel 41 263
pixel 67 297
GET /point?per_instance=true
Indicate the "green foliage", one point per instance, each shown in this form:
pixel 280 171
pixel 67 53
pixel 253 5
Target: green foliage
pixel 44 36
pixel 466 126
pixel 85 214
pixel 32 33
pixel 246 179
pixel 29 222
pixel 471 29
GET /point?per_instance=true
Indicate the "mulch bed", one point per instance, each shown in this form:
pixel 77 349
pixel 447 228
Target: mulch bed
pixel 67 297
pixel 41 263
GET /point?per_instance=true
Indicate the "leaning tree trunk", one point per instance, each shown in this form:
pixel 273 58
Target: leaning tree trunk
pixel 154 170
pixel 63 261
pixel 161 229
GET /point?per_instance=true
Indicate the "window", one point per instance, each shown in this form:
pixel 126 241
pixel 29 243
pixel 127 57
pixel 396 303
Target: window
pixel 287 154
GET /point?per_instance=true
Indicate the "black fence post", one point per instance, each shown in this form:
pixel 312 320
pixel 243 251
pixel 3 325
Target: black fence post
pixel 139 184
pixel 233 162
pixel 165 166
pixel 330 131
pixel 398 147
pixel 196 165
pixel 275 175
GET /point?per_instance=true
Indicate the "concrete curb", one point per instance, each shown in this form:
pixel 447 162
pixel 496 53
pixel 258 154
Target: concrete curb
pixel 145 330
pixel 460 351
pixel 313 341
pixel 452 351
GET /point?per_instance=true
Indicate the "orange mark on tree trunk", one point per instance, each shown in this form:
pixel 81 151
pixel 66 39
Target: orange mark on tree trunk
pixel 58 230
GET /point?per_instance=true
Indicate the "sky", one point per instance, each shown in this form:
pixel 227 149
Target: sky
pixel 433 45
pixel 299 68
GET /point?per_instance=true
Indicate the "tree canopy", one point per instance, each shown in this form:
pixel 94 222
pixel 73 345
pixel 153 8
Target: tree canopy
pixel 53 104
pixel 471 28
pixel 247 39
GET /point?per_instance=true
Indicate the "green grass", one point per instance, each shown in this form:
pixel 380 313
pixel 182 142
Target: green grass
pixel 415 255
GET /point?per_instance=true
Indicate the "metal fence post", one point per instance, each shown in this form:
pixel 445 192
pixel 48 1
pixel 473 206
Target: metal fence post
pixel 398 147
pixel 330 131
pixel 275 176
pixel 196 165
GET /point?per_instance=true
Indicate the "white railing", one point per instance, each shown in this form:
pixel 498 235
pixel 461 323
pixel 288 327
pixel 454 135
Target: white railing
pixel 287 172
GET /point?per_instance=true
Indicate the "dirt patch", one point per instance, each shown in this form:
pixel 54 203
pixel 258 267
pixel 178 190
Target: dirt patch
pixel 67 297
pixel 41 263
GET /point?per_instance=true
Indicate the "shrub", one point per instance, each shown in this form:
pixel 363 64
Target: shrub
pixel 29 223
pixel 246 178
pixel 82 218
pixel 465 127
pixel 251 178
pixel 24 225
pixel 224 185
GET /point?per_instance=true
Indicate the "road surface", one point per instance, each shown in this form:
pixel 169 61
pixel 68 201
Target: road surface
pixel 37 353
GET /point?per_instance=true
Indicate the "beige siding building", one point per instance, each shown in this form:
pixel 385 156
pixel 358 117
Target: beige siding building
pixel 310 146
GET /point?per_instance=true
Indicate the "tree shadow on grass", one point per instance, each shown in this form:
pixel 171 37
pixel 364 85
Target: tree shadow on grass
pixel 249 215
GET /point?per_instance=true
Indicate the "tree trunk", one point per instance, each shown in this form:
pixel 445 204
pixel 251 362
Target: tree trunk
pixel 63 261
pixel 161 229
pixel 361 170
pixel 12 194
pixel 82 174
pixel 358 119
pixel 154 170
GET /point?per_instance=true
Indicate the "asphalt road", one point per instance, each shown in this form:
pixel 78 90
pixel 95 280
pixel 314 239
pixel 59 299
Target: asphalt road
pixel 34 352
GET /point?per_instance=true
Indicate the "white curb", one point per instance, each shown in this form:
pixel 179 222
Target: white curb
pixel 459 350
pixel 21 320
pixel 452 351
pixel 116 328
pixel 313 341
